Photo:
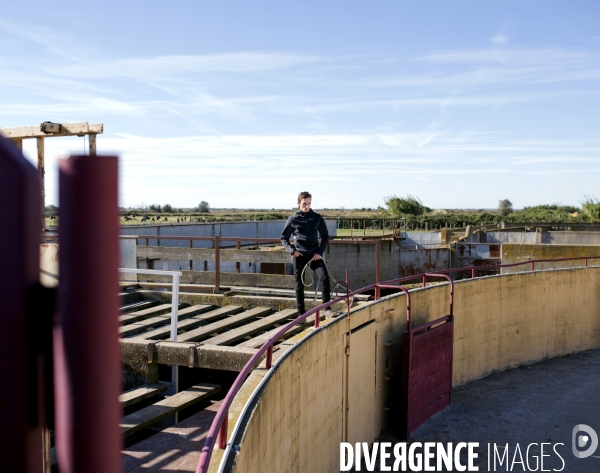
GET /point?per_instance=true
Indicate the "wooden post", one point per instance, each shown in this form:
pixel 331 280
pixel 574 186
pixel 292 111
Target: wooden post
pixel 191 261
pixel 147 259
pixel 22 414
pixel 217 264
pixel 378 261
pixel 86 330
pixel 40 154
pixel 92 143
pixel 238 266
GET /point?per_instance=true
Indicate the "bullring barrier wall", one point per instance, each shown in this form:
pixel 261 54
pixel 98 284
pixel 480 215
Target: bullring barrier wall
pixel 339 382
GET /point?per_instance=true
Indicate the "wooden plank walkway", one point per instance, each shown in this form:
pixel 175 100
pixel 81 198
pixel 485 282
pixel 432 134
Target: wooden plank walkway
pixel 140 393
pixel 154 322
pixel 225 324
pixel 151 414
pixel 147 313
pixel 138 306
pixel 259 340
pixel 192 322
pixel 169 406
pixel 175 449
pixel 232 336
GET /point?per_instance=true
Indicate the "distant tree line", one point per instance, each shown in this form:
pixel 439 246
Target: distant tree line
pixel 412 209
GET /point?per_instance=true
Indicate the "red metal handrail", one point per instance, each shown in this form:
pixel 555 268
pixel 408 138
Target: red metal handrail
pixel 405 290
pixel 219 424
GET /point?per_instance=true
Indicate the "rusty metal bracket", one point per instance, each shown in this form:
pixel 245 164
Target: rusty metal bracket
pixel 150 349
pixel 192 359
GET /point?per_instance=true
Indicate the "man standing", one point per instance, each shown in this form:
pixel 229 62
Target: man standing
pixel 304 225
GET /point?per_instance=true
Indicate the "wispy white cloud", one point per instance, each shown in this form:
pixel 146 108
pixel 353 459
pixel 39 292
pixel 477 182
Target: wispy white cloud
pixel 515 57
pixel 58 43
pixel 162 67
pixel 499 38
pixel 472 100
pixel 189 168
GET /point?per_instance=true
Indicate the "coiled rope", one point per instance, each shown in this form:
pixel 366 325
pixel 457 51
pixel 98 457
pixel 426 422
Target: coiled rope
pixel 310 283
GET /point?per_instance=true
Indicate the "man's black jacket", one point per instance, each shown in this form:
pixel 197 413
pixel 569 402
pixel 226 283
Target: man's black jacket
pixel 304 227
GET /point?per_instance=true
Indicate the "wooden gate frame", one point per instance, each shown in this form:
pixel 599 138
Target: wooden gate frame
pixel 426 363
pixel 427 372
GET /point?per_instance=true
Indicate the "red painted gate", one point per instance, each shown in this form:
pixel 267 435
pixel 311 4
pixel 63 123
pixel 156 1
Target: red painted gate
pixel 427 365
pixel 427 372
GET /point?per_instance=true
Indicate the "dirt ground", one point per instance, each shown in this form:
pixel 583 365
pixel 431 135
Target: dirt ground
pixel 533 404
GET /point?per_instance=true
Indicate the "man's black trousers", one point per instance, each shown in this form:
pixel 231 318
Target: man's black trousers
pixel 320 270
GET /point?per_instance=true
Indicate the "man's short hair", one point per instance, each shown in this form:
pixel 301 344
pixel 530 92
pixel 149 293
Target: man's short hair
pixel 304 195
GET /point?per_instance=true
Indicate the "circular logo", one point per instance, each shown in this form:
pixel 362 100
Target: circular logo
pixel 581 441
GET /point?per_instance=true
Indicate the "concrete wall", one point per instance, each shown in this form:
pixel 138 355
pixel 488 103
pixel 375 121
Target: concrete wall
pixel 254 229
pixel 476 254
pixel 128 258
pixel 571 238
pixel 422 239
pixel 517 253
pixel 49 258
pixel 511 237
pixel 423 260
pixel 359 260
pixel 336 383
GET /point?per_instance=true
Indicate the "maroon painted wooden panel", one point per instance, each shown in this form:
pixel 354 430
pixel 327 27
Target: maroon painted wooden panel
pixel 87 363
pixel 21 434
pixel 430 381
pixel 424 340
pixel 427 377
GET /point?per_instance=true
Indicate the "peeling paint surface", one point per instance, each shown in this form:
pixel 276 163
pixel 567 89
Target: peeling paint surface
pixel 423 261
pixel 49 264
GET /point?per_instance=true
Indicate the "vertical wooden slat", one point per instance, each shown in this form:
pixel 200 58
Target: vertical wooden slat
pixel 42 172
pixel 20 438
pixel 87 362
pixel 217 264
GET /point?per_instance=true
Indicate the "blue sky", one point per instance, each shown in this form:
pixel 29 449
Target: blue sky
pixel 245 104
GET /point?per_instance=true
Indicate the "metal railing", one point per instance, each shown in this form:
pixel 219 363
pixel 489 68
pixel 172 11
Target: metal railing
pixel 174 297
pixel 218 429
pixel 217 240
pixel 174 315
pixel 367 226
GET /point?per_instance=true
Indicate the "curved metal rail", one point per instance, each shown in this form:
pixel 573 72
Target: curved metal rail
pixel 219 424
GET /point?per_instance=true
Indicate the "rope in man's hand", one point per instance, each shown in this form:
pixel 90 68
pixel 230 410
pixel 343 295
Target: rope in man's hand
pixel 341 285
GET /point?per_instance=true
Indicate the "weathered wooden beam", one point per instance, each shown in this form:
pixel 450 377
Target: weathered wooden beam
pixel 140 393
pixel 192 322
pixel 234 335
pixel 260 340
pixel 148 324
pixel 207 254
pixel 66 129
pixel 146 304
pixel 146 313
pixel 225 324
pixel 152 414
